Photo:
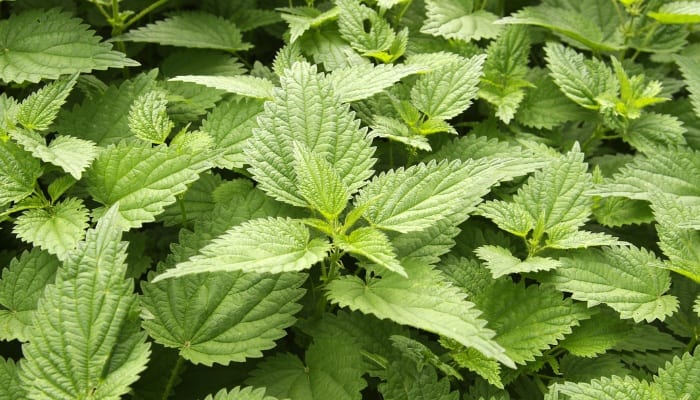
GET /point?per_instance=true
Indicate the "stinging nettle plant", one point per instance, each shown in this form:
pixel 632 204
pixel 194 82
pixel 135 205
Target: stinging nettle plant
pixel 377 199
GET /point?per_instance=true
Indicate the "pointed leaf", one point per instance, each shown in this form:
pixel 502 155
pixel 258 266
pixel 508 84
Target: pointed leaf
pixel 425 300
pixel 18 172
pixel 319 183
pixel 367 32
pixel 244 85
pixel 597 335
pixel 307 110
pixel 261 245
pixel 238 393
pixel 677 12
pixel 40 44
pixel 73 155
pixel 615 388
pixel 92 307
pixel 10 384
pixel 457 19
pixel 148 119
pixel 57 229
pixel 652 130
pixel 678 379
pixel 21 287
pixel 363 81
pixel 631 281
pixel 691 73
pixel 193 29
pixel 502 262
pixel 374 245
pixel 143 179
pixel 449 89
pixel 38 111
pixel 405 381
pixel 301 19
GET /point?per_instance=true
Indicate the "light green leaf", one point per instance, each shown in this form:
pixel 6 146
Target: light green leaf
pixel 192 29
pixel 21 287
pixel 221 317
pixel 577 25
pixel 425 300
pixel 18 172
pixel 457 19
pixel 73 155
pixel 571 238
pixel 332 370
pixel 230 125
pixel 631 281
pixel 10 384
pixel 142 179
pixel 365 80
pixel 652 130
pixel 679 378
pixel 59 186
pixel 597 335
pixel 113 108
pixel 375 40
pixel 244 85
pixel 581 80
pixel 618 211
pixel 261 245
pixel 527 320
pixel 511 217
pixel 677 12
pixel 328 48
pixel 319 183
pixel 39 109
pixel 615 388
pixel 148 119
pixel 239 393
pixel 691 72
pixel 307 110
pixel 396 130
pixel 476 362
pixel 40 44
pixel 56 229
pixel 448 90
pixel 425 247
pixel 502 262
pixel 301 19
pixel 94 308
pixel 374 245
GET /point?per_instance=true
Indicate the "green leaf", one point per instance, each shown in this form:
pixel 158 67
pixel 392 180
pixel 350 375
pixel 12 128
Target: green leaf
pixel 425 301
pixel 631 281
pixel 113 109
pixel 244 85
pixel 200 62
pixel 415 198
pixel 527 320
pixel 59 186
pixel 10 384
pixel 574 24
pixel 73 155
pixel 652 130
pixel 238 393
pixel 192 29
pixel 40 108
pixel 678 379
pixel 597 335
pixel 221 317
pixel 420 355
pixel 18 172
pixel 458 19
pixel 502 262
pixel 141 178
pixel 319 183
pixel 261 245
pixel 301 19
pixel 97 314
pixel 148 119
pixel 677 12
pixel 426 246
pixel 365 80
pixel 476 362
pixel 615 388
pixel 40 44
pixel 332 370
pixel 406 382
pixel 581 80
pixel 374 245
pixel 691 73
pixel 511 217
pixel 308 111
pixel 367 32
pixel 196 203
pixel 21 287
pixel 56 229
pixel 448 90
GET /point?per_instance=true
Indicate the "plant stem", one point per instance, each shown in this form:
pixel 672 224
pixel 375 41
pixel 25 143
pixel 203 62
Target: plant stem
pixel 143 13
pixel 173 376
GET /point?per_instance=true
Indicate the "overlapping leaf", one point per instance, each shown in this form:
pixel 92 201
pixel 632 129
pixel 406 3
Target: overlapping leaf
pixel 363 81
pixel 18 172
pixel 691 73
pixel 148 118
pixel 10 385
pixel 39 109
pixel 73 155
pixel 244 85
pixel 374 245
pixel 239 393
pixel 40 44
pixel 458 19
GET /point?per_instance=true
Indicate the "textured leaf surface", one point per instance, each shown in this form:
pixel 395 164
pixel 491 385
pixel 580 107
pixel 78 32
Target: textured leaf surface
pixel 405 381
pixel 691 72
pixel 631 281
pixel 597 335
pixel 194 29
pixel 331 371
pixel 301 19
pixel 374 245
pixel 221 317
pixel 261 245
pixel 143 179
pixel 502 262
pixel 38 111
pixel 615 388
pixel 677 12
pixel 363 81
pixel 425 300
pixel 73 155
pixel 230 124
pixel 57 229
pixel 449 89
pixel 457 19
pixel 95 309
pixel 307 110
pixel 238 393
pixel 679 378
pixel 244 85
pixel 18 172
pixel 21 287
pixel 319 183
pixel 113 108
pixel 10 385
pixel 39 44
pixel 148 118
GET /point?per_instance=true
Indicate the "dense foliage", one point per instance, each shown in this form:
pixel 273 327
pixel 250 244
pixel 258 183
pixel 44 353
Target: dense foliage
pixel 378 199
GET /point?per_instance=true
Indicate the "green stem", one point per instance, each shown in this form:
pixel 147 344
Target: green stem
pixel 173 376
pixel 143 13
